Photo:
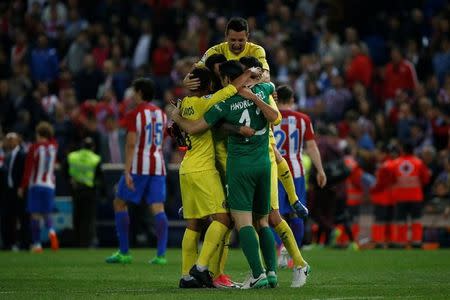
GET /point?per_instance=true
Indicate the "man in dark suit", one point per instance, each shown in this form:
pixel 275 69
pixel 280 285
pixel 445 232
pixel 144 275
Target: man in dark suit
pixel 15 220
pixel 112 142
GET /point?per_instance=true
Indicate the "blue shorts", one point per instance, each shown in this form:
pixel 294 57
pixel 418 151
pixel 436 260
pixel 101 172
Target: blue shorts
pixel 40 199
pixel 300 189
pixel 151 188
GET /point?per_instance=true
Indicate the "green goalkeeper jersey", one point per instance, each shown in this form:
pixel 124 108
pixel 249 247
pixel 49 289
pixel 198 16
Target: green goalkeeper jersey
pixel 240 111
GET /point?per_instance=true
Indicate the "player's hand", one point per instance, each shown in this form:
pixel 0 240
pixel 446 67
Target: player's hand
pixel 20 192
pixel 275 96
pixel 129 181
pixel 247 93
pixel 300 209
pixel 246 131
pixel 190 82
pixel 321 179
pixel 180 212
pixel 256 72
pixel 172 110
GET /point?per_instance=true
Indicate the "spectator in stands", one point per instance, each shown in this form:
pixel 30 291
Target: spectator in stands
pixel 162 61
pixel 19 51
pixel 7 110
pixel 44 62
pixel 101 51
pixel 88 80
pixel 75 24
pixel 358 67
pixel 400 74
pixel 77 51
pixel 142 51
pixel 337 99
pixel 441 60
pixel 329 47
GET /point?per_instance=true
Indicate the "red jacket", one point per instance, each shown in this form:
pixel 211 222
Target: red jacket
pixel 403 76
pixel 409 175
pixel 353 186
pixel 381 193
pixel 360 69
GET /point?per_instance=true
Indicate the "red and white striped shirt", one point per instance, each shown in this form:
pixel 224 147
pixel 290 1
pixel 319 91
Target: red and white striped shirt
pixel 149 122
pixel 295 128
pixel 40 165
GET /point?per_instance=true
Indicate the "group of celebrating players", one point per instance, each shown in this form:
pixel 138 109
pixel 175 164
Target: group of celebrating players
pixel 240 145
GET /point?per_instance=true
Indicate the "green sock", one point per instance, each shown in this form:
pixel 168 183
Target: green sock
pixel 268 248
pixel 250 247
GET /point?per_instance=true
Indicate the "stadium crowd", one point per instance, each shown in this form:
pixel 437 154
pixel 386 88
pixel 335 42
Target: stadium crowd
pixel 372 77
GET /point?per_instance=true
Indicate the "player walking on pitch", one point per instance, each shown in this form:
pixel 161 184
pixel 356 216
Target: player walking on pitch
pixel 145 173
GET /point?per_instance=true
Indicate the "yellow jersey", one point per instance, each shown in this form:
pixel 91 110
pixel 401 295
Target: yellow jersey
pixel 249 50
pixel 201 156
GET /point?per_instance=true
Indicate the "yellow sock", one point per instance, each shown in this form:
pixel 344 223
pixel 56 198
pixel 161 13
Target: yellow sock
pixel 286 235
pixel 214 262
pixel 189 249
pixel 285 176
pixel 218 259
pixel 224 256
pixel 213 237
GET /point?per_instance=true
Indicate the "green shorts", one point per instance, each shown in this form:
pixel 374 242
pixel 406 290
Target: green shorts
pixel 248 188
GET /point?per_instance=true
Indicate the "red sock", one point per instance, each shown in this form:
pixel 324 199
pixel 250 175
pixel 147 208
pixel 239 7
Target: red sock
pixel 343 237
pixel 376 233
pixel 389 232
pixel 417 232
pixel 355 231
pixel 401 234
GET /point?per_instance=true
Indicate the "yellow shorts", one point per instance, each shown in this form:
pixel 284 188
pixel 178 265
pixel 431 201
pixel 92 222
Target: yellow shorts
pixel 202 194
pixel 273 180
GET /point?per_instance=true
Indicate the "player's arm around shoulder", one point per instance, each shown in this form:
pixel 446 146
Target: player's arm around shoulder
pixel 268 111
pixel 274 106
pixel 219 96
pixel 189 126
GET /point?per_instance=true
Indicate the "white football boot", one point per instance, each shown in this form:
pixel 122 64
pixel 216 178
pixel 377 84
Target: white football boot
pixel 300 275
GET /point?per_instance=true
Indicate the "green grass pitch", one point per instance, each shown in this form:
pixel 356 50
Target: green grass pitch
pixel 336 274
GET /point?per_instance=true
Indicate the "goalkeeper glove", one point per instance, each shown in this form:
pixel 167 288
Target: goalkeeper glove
pixel 300 209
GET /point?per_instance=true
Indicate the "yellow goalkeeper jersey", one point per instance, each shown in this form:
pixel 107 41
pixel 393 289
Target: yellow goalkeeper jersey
pixel 249 50
pixel 201 156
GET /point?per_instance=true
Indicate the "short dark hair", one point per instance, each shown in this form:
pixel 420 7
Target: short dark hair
pixel 284 94
pixel 145 86
pixel 237 24
pixel 231 68
pixel 205 77
pixel 250 62
pixel 216 58
pixel 45 130
pixel 407 146
pixel 88 143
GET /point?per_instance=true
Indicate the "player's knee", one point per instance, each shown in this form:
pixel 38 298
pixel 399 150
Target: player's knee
pixel 223 218
pixel 119 205
pixel 157 208
pixel 274 218
pixel 263 222
pixel 194 224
